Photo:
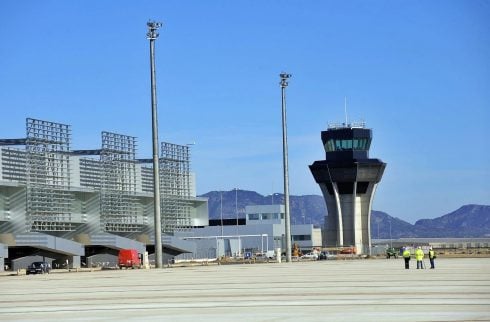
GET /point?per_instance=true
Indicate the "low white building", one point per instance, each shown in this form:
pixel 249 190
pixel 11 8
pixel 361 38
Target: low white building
pixel 264 230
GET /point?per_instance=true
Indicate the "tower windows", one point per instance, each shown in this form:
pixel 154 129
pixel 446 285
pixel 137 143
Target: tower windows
pixel 347 144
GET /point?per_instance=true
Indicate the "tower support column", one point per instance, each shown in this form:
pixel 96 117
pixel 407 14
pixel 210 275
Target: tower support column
pixel 340 226
pixel 357 221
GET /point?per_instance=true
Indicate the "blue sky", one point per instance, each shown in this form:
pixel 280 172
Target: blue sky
pixel 417 72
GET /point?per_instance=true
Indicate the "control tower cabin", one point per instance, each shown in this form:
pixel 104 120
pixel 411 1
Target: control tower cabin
pixel 348 179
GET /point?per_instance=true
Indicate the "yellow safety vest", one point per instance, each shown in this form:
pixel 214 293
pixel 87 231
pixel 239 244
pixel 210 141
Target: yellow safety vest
pixel 419 254
pixel 406 253
pixel 432 254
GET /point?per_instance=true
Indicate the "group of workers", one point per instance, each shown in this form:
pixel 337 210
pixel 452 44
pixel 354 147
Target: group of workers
pixel 419 257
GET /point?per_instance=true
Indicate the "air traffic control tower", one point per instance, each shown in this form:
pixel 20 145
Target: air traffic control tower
pixel 348 179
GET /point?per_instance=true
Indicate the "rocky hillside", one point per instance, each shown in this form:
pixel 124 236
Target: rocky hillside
pixel 467 221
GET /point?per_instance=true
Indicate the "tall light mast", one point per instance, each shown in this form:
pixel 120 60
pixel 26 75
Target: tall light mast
pixel 287 219
pixel 152 35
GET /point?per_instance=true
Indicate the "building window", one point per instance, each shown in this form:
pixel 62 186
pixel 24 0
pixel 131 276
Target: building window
pixel 360 144
pixel 346 144
pixel 301 237
pixel 330 147
pixel 253 216
pixel 266 216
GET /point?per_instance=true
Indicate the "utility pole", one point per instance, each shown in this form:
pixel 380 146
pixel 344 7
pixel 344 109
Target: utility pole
pixel 236 212
pixel 221 212
pixel 287 219
pixel 391 242
pixel 152 35
pixel 236 209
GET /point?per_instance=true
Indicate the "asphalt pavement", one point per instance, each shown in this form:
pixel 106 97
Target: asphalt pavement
pixel 333 290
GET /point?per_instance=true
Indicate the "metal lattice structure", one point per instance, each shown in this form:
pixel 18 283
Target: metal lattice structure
pixel 119 205
pixel 13 165
pixel 90 173
pixel 49 201
pixel 147 179
pixel 175 188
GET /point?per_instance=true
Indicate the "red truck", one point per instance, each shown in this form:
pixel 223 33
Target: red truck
pixel 129 258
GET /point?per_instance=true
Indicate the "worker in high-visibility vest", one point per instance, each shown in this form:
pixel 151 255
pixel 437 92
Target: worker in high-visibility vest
pixel 419 256
pixel 432 256
pixel 406 257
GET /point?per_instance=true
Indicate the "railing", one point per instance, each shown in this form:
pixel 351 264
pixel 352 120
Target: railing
pixel 359 125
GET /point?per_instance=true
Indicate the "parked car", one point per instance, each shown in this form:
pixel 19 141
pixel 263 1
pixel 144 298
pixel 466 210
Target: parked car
pixel 310 256
pixel 265 256
pixel 326 255
pixel 38 268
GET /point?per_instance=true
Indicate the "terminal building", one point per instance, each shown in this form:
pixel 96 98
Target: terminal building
pixel 348 179
pixel 69 206
pixel 76 208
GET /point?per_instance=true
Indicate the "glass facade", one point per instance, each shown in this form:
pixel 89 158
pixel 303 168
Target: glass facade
pixel 265 216
pixel 300 237
pixel 347 144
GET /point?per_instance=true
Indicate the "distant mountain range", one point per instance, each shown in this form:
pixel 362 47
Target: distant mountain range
pixel 467 221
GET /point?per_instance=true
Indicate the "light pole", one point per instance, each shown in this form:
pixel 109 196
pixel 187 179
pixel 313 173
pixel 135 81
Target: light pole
pixel 287 220
pixel 221 212
pixel 152 35
pixel 236 211
pixel 391 242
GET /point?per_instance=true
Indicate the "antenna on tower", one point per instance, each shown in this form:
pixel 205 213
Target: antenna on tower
pixel 345 109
